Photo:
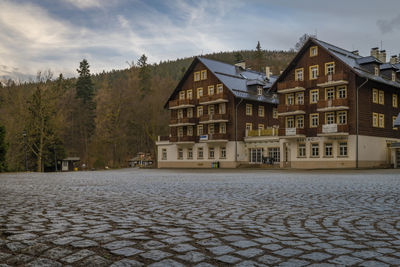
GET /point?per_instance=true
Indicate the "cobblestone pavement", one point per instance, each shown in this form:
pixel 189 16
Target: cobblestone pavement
pixel 182 218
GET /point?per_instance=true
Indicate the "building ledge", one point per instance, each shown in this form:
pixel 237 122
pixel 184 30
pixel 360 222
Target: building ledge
pixel 296 112
pixel 332 134
pixel 332 83
pixel 332 108
pixel 216 101
pixel 182 124
pixel 291 90
pixel 214 141
pixel 212 121
pixel 182 106
pixel 293 136
pixel 261 139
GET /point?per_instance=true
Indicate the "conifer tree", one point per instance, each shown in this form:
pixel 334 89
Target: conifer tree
pixel 3 149
pixel 144 75
pixel 259 58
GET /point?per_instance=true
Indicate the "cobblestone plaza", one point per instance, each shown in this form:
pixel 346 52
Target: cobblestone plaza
pixel 200 218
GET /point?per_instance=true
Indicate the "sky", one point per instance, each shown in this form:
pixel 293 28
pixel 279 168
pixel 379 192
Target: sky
pixel 38 35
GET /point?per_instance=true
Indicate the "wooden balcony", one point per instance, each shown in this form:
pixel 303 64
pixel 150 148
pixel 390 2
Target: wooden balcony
pixel 214 118
pixel 182 122
pixel 182 139
pixel 181 103
pixel 333 104
pixel 332 129
pixel 292 132
pixel 291 86
pixel 285 110
pixel 213 99
pixel 335 79
pixel 264 132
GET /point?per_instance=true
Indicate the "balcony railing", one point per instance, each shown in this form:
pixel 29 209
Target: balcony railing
pixel 184 120
pixel 214 137
pixel 327 129
pixel 181 102
pixel 221 97
pixel 182 139
pixel 332 79
pixel 291 131
pixel 214 117
pixel 342 102
pixel 290 108
pixel 291 84
pixel 264 132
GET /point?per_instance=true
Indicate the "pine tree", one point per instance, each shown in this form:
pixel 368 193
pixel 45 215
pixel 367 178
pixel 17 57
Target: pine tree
pixel 84 85
pixel 259 58
pixel 144 75
pixel 3 149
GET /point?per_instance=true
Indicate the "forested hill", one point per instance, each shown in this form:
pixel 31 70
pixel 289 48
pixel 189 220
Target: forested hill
pixel 122 115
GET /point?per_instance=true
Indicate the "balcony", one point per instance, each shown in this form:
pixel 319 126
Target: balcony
pixel 263 132
pixel 333 104
pixel 335 79
pixel 214 138
pixel 181 103
pixel 287 110
pixel 214 118
pixel 213 99
pixel 333 130
pixel 182 122
pixel 182 139
pixel 292 132
pixel 291 86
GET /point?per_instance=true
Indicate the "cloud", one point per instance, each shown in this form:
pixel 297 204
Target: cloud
pixel 85 4
pixel 387 26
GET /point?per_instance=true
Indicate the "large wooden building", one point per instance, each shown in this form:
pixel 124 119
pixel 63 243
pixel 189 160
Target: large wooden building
pixel 335 109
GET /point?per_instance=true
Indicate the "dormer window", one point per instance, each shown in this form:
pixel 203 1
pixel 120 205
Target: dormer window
pixel 393 76
pixel 313 51
pixel 376 71
pixel 259 90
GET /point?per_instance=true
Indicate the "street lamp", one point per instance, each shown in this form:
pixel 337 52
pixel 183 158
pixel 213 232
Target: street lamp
pixel 26 153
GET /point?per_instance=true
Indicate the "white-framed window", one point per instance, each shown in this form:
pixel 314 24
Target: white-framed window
pixel 200 153
pixel 256 155
pixel 393 76
pixel 300 98
pixel 381 120
pixel 314 150
pixel 274 153
pixel 211 153
pixel 329 68
pixel 375 96
pixel 290 122
pixel 182 95
pixel 328 150
pixel 190 112
pixel 375 119
pixel 376 71
pixel 199 129
pixel 301 150
pixel 211 128
pixel 190 153
pixel 329 118
pixel 314 96
pixel 196 76
pixel 260 111
pixel 275 113
pixel 204 74
pixel 249 126
pixel 199 92
pixel 381 97
pixel 330 93
pixel 289 99
pixel 299 74
pixel 180 153
pixel 313 51
pixel 211 110
pixel 180 131
pixel 222 108
pixel 249 109
pixel 164 154
pixel 199 111
pixel 342 117
pixel 313 72
pixel 180 113
pixel 342 92
pixel 259 90
pixel 189 94
pixel 314 120
pixel 343 149
pixel 220 88
pixel 222 153
pixel 211 90
pixel 222 128
pixel 300 121
pixel 395 102
pixel 190 131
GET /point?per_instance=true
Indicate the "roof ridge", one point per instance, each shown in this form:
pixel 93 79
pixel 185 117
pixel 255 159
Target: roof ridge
pixel 335 46
pixel 233 65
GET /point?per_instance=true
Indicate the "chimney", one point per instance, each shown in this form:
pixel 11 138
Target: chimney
pixel 394 60
pixel 375 52
pixel 355 52
pixel 382 56
pixel 241 64
pixel 268 72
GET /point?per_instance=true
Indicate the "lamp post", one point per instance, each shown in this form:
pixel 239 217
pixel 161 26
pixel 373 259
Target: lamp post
pixel 26 153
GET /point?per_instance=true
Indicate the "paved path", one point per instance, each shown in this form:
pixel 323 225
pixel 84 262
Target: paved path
pixel 178 218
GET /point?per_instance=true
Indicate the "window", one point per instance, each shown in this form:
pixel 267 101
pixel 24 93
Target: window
pixel 204 74
pixel 381 121
pixel 381 97
pixel 197 76
pixel 343 149
pixel 190 131
pixel 211 128
pixel 222 153
pixel 301 150
pixel 199 111
pixel 375 119
pixel 313 51
pixel 199 130
pixel 393 120
pixel 211 153
pixel 222 108
pixel 314 150
pixel 314 120
pixel 330 93
pixel 211 110
pixel 189 94
pixel 328 150
pixel 274 153
pixel 393 76
pixel 342 117
pixel 275 113
pixel 211 90
pixel 200 153
pixel 290 122
pixel 180 131
pixel 259 90
pixel 256 155
pixel 199 92
pixel 182 95
pixel 260 126
pixel 219 88
pixel 164 154
pixel 329 68
pixel 180 113
pixel 300 122
pixel 249 109
pixel 260 111
pixel 180 153
pixel 375 96
pixel 190 153
pixel 314 96
pixel 249 126
pixel 299 74
pixel 313 72
pixel 394 101
pixel 289 99
pixel 376 71
pixel 330 118
pixel 222 128
pixel 190 112
pixel 300 98
pixel 341 92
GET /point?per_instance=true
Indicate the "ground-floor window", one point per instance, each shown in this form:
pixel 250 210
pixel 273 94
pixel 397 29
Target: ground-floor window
pixel 256 155
pixel 164 154
pixel 274 153
pixel 315 150
pixel 328 150
pixel 190 153
pixel 301 151
pixel 180 153
pixel 211 153
pixel 223 153
pixel 200 153
pixel 343 149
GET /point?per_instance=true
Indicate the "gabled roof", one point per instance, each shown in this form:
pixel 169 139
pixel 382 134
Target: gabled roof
pixel 388 66
pixel 353 61
pixel 236 79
